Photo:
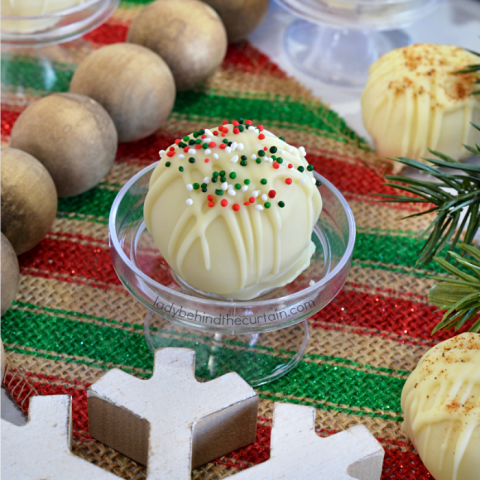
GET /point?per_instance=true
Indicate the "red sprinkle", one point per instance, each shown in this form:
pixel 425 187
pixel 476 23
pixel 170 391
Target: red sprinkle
pixel 272 193
pixel 211 204
pixel 236 207
pixel 265 148
pixel 275 165
pixel 288 181
pixel 290 165
pixel 204 136
pixel 225 130
pixel 235 123
pixel 210 197
pixel 260 127
pixel 177 141
pixel 261 136
pixel 172 149
pixel 215 133
pixel 247 203
pixel 248 122
pixel 222 145
pixel 251 199
pixel 212 144
pixel 225 122
pixel 224 134
pixel 236 130
pixel 198 147
pixel 170 154
pixel 224 202
pixel 185 149
pixel 207 160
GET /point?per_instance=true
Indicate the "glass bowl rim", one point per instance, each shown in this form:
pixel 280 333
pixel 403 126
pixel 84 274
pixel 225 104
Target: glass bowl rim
pixel 59 13
pixel 229 303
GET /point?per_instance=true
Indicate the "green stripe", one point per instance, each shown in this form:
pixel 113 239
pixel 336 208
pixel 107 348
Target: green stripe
pixel 32 74
pixel 322 382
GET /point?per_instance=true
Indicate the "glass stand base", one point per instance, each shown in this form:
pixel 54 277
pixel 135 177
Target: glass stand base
pixel 30 72
pixel 258 358
pixel 338 56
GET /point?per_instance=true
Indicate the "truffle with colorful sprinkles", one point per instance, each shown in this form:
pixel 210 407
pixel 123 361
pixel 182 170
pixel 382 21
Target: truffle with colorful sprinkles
pixel 232 209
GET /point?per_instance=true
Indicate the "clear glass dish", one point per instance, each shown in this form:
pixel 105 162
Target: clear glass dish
pixel 263 338
pixel 41 52
pixel 336 41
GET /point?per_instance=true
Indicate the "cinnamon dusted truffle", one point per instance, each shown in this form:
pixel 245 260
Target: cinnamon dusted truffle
pixel 441 405
pixel 232 210
pixel 414 101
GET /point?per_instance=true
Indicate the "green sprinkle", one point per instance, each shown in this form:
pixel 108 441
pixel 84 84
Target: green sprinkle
pixel 198 141
pixel 191 142
pixel 273 149
pixel 243 157
pixel 281 204
pixel 195 134
pixel 204 189
pixel 225 140
pixel 186 139
pixel 246 181
pixel 215 174
pixel 222 173
pixel 205 145
pixel 233 175
pixel 274 157
pixel 281 138
pixel 258 160
pixel 241 128
pixel 238 186
pixel 261 153
pixel 196 186
pixel 203 185
pixel 301 169
pixel 267 204
pixel 180 168
pixel 214 179
pixel 263 181
pixel 219 192
pixel 318 183
pixel 279 160
pixel 191 160
pixel 310 168
pixel 201 132
pixel 243 163
pixel 167 164
pixel 181 144
pixel 223 179
pixel 240 120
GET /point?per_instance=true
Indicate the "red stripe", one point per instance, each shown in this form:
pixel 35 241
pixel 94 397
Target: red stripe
pixel 108 33
pixel 8 119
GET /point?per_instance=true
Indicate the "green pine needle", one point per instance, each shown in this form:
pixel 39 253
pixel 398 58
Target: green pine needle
pixel 459 297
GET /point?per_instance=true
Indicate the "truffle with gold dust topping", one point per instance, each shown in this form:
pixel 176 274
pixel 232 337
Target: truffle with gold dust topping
pixel 232 209
pixel 414 101
pixel 441 405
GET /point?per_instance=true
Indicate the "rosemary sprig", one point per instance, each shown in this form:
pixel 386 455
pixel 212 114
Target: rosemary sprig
pixel 449 224
pixel 459 296
pixel 472 69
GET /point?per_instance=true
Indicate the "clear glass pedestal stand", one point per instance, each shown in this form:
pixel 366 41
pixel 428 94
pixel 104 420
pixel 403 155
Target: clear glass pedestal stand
pixel 40 53
pixel 261 339
pixel 337 41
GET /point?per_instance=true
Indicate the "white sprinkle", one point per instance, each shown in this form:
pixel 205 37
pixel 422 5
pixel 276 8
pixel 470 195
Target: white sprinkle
pixel 215 156
pixel 228 149
pixel 208 151
pixel 244 188
pixel 189 201
pixel 161 152
pixel 270 160
pixel 208 132
pixel 255 193
pixel 251 129
pixel 206 180
pixel 189 187
pixel 283 152
pixel 234 159
pixel 313 180
pixel 259 207
pixel 264 197
pixel 253 156
pixel 231 192
pixel 303 180
pixel 311 282
pixel 224 186
pixel 290 148
pixel 240 146
pixel 302 150
pixel 234 146
pixel 181 156
pixel 192 151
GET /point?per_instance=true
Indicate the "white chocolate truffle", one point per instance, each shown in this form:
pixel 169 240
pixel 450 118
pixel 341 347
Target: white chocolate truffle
pixel 441 405
pixel 229 241
pixel 413 101
pixel 30 8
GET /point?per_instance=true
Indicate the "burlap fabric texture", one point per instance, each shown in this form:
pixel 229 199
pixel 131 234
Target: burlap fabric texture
pixel 72 320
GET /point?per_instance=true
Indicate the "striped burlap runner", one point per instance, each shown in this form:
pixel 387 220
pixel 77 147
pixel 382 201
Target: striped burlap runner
pixel 73 320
